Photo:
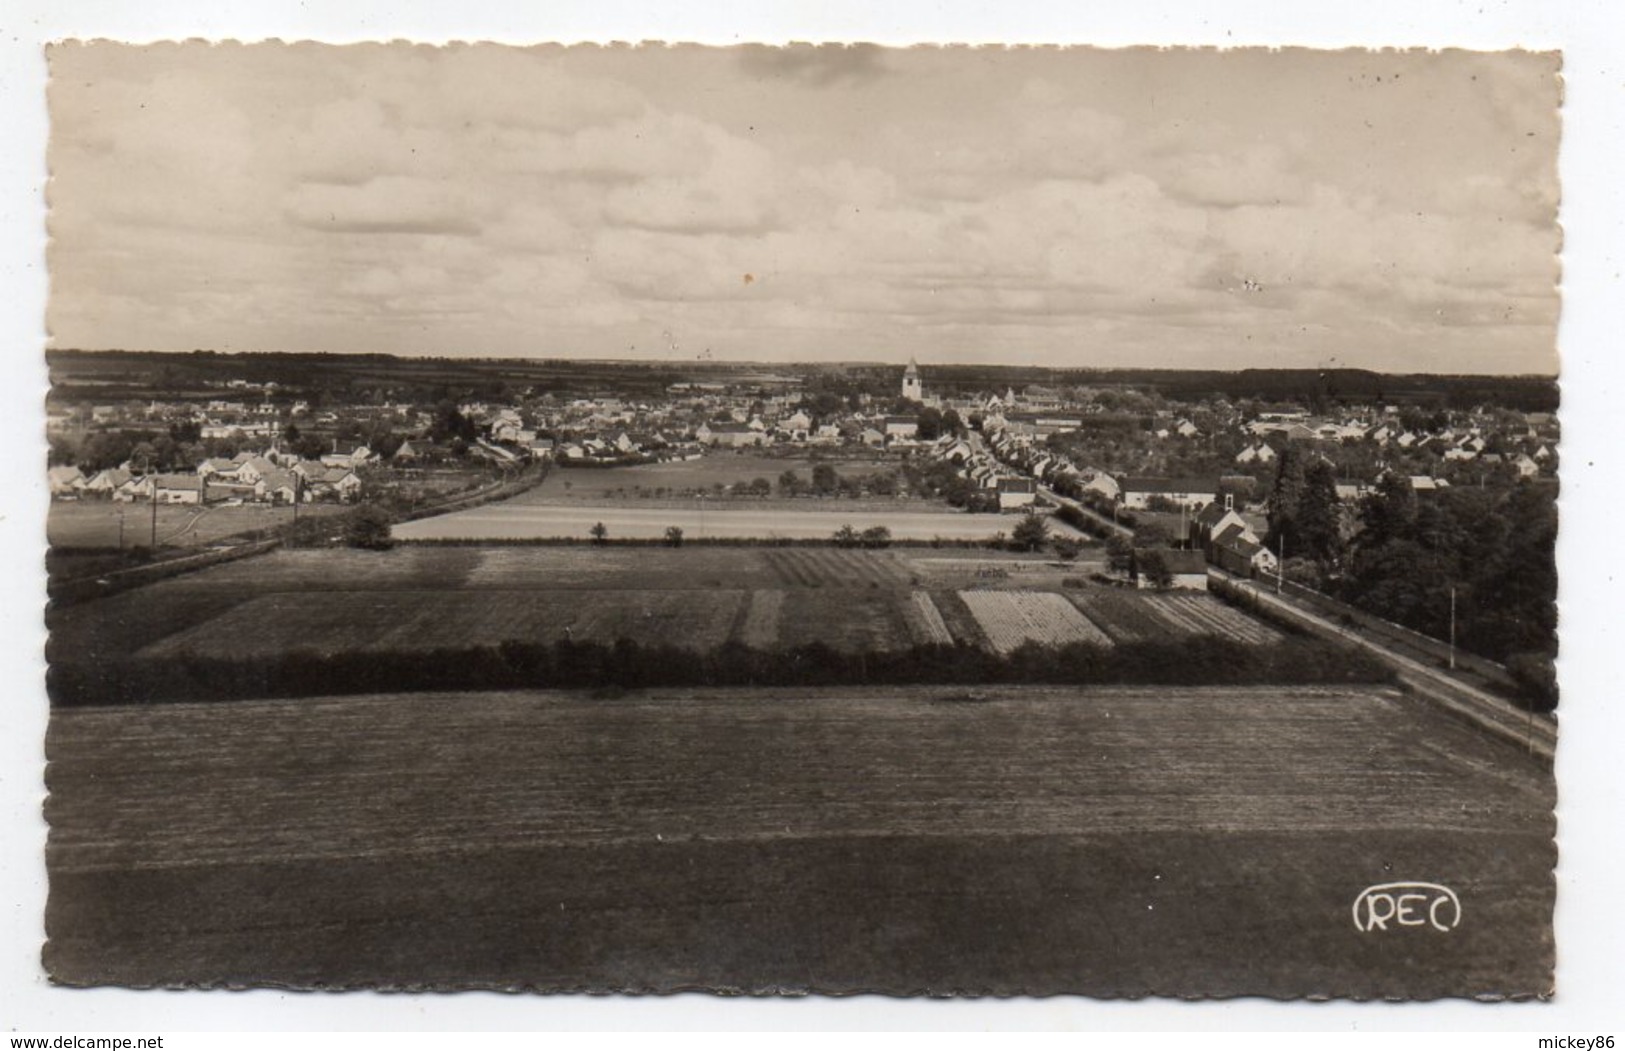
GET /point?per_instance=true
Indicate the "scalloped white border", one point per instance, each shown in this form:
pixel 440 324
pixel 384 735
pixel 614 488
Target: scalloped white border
pixel 1589 921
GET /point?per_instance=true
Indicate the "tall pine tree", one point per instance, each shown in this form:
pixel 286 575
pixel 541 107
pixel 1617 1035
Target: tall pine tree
pixel 1286 500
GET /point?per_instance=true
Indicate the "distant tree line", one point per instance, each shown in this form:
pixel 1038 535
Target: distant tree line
pixel 827 481
pixel 567 664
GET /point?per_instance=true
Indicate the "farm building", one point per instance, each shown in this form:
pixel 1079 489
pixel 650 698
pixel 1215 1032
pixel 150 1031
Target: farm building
pixel 1237 552
pixel 1016 493
pixel 339 481
pixel 178 489
pixel 902 427
pixel 1137 493
pixel 1186 570
pixel 732 435
pixel 348 456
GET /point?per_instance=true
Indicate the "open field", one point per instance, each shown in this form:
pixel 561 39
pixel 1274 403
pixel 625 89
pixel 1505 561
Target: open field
pixel 95 523
pixel 679 483
pixel 1100 841
pixel 403 621
pixel 335 601
pixel 1128 616
pixel 1011 619
pixel 808 520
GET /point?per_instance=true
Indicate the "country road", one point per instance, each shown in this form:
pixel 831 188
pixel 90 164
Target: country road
pixel 537 521
pixel 1537 733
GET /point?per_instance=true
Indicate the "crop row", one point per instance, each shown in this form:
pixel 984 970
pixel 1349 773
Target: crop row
pixel 829 567
pixel 1200 614
pixel 1013 618
pixel 851 619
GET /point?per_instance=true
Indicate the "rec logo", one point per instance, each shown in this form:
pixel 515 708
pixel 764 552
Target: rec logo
pixel 1407 905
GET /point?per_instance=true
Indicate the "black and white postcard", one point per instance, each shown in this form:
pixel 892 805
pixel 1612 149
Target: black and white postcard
pixel 934 521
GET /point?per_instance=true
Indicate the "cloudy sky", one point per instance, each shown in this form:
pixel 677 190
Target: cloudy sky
pixel 1065 207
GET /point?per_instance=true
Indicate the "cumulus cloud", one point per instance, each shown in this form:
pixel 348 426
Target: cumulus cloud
pixel 1061 206
pixel 386 204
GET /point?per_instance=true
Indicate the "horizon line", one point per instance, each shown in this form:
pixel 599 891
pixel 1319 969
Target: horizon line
pixel 751 362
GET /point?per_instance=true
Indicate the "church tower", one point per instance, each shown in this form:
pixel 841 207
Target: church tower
pixel 911 382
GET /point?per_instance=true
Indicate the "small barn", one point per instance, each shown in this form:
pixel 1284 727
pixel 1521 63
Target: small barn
pixel 1016 493
pixel 1164 567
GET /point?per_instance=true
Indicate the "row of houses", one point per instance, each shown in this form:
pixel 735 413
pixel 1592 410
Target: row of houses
pixel 244 477
pixel 1012 490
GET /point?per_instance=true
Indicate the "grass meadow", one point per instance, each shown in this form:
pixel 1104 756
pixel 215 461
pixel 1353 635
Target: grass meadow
pixel 1105 841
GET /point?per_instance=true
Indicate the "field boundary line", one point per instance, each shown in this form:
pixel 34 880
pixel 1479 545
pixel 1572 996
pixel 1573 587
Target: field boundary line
pixel 88 589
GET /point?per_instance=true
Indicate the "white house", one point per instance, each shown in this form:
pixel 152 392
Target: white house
pixel 65 480
pixel 178 488
pixel 1015 493
pixel 902 427
pixel 1186 492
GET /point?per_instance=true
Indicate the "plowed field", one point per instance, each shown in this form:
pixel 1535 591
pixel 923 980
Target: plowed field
pixel 1103 841
pixel 333 601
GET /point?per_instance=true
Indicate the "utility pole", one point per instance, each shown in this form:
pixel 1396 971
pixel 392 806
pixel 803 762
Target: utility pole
pixel 152 498
pixel 1452 628
pixel 1280 560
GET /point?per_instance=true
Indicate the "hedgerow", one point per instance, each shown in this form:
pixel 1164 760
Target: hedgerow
pixel 569 664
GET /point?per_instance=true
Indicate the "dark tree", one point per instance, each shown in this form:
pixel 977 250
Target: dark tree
pixel 450 423
pixel 368 527
pixel 824 479
pixel 1153 534
pixel 308 446
pixel 1388 513
pixel 1319 515
pixel 1154 567
pixel 1119 553
pixel 876 537
pixel 1030 533
pixel 186 431
pixel 1304 515
pixel 1286 498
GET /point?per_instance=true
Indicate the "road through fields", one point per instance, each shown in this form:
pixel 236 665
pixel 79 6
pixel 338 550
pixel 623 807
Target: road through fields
pixel 538 521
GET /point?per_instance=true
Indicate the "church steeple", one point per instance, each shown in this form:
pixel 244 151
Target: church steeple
pixel 912 390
